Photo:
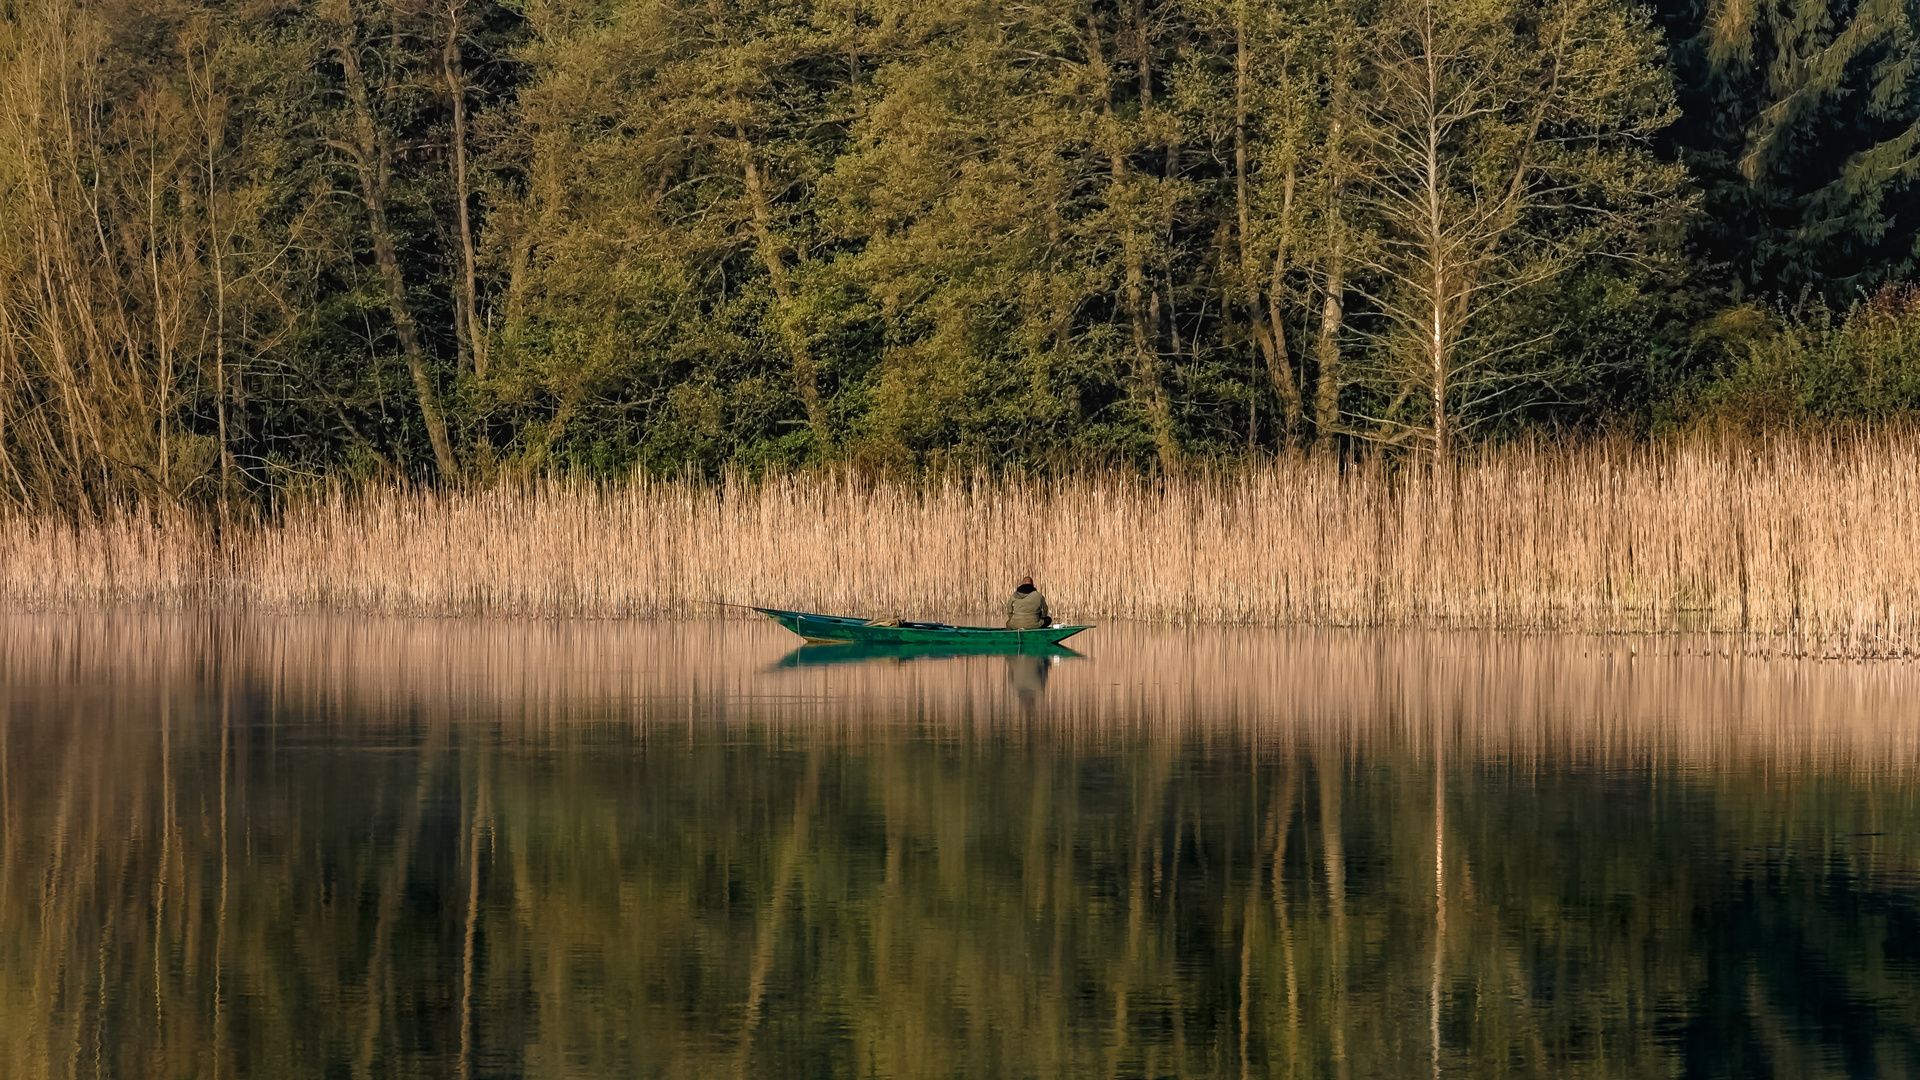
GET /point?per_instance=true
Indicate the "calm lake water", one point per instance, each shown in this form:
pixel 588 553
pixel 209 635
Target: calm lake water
pixel 329 847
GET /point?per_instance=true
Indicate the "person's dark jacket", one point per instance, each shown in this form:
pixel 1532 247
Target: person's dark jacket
pixel 1027 610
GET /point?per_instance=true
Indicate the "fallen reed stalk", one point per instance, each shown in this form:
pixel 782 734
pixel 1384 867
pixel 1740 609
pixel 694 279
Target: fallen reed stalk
pixel 1799 544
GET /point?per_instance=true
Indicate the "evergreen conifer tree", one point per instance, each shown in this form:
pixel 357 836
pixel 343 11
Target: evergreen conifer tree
pixel 1801 124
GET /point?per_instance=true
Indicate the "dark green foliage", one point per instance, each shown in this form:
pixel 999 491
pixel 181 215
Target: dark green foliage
pixel 1801 126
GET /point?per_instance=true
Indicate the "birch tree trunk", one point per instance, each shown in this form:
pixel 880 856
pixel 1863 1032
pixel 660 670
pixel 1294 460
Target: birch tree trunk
pixel 1432 231
pixel 1503 146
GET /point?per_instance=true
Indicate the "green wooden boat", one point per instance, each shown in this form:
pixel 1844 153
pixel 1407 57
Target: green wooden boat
pixel 840 629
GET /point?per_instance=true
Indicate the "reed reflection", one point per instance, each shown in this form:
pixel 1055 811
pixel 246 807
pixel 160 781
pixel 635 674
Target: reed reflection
pixel 308 848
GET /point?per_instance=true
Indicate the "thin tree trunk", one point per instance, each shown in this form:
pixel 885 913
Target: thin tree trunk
pixel 162 336
pixel 806 372
pixel 1268 330
pixel 1279 366
pixel 1145 346
pixel 1136 267
pixel 1326 352
pixel 1175 163
pixel 220 367
pixel 75 414
pixel 457 91
pixel 1326 397
pixel 217 248
pixel 367 153
pixel 1145 350
pixel 1439 332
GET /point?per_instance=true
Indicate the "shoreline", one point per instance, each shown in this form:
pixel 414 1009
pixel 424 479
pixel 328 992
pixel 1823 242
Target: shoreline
pixel 1670 643
pixel 1629 644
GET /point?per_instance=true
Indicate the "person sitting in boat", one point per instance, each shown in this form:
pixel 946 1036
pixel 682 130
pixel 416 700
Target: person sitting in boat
pixel 1028 608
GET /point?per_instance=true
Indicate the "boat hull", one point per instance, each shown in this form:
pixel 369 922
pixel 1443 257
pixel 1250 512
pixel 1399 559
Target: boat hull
pixel 840 630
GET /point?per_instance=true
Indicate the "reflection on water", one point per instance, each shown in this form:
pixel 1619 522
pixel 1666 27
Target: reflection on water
pixel 1028 677
pixel 255 847
pixel 814 655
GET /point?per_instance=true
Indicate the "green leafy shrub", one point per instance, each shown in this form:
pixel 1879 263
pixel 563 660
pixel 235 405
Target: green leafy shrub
pixel 1784 367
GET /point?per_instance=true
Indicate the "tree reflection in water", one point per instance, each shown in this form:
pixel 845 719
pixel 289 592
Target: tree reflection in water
pixel 310 847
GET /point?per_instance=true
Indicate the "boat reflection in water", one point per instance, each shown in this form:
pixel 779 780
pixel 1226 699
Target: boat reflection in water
pixel 1027 668
pixel 822 655
pixel 1028 674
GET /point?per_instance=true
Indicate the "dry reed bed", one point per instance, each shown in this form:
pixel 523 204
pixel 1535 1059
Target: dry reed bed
pixel 1801 544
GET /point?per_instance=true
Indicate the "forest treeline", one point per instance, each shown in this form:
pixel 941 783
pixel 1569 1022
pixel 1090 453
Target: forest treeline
pixel 245 244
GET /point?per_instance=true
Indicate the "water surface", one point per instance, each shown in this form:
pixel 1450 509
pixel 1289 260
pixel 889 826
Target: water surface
pixel 328 847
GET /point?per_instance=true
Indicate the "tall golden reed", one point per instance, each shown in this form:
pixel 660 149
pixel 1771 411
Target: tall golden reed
pixel 1799 543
